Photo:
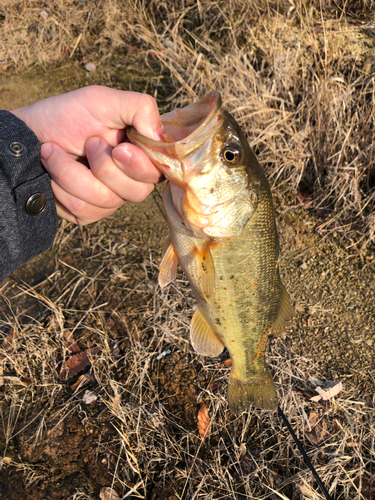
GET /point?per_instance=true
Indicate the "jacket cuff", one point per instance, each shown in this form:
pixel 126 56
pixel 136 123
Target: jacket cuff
pixel 28 217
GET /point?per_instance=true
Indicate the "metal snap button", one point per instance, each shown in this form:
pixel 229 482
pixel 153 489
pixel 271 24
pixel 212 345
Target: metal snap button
pixel 36 204
pixel 17 149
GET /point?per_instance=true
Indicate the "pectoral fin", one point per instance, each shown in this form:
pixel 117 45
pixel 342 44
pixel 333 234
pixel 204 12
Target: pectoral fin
pixel 204 340
pixel 285 314
pixel 206 272
pixel 166 245
pixel 168 266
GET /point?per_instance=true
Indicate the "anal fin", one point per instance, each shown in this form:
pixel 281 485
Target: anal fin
pixel 168 265
pixel 203 338
pixel 285 314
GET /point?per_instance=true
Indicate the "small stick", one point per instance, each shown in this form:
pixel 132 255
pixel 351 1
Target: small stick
pixel 286 422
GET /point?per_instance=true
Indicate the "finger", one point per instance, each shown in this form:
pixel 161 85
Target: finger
pixel 119 109
pixel 76 179
pixel 75 210
pixel 63 212
pixel 136 164
pixel 99 155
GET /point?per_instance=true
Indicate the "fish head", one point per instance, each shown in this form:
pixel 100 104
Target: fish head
pixel 206 157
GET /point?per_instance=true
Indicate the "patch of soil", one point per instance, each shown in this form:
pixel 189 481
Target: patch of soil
pixel 56 463
pixel 177 381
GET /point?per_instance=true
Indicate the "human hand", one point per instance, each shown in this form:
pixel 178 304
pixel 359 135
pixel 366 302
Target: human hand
pixel 90 124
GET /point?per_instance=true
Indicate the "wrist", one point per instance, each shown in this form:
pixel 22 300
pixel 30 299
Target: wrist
pixel 24 115
pixel 19 113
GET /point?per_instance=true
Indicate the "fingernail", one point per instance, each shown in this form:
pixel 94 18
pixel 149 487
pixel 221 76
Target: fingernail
pixel 158 134
pixel 46 150
pixel 91 145
pixel 124 154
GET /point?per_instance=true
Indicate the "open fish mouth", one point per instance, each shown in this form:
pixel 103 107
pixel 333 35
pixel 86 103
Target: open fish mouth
pixel 210 191
pixel 185 132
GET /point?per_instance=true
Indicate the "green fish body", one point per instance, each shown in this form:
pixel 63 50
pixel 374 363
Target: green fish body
pixel 219 210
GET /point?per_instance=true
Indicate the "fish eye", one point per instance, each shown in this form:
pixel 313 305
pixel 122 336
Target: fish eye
pixel 231 153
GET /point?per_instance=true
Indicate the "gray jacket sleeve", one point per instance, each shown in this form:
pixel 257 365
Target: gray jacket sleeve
pixel 28 218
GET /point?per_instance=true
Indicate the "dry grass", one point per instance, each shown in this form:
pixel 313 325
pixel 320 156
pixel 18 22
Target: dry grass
pixel 300 80
pixel 150 404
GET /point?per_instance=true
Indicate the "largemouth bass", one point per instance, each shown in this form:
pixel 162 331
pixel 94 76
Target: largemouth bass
pixel 219 210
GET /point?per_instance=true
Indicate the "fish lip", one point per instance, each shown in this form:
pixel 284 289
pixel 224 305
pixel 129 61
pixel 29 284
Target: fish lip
pixel 215 103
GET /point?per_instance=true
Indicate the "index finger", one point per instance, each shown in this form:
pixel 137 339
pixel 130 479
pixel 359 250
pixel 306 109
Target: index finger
pixel 119 109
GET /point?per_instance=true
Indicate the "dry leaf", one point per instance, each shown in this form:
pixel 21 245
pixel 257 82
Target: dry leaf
pixel 82 380
pixel 70 343
pixel 89 397
pixel 247 464
pixel 115 348
pixel 329 391
pixel 304 198
pixel 78 362
pixel 16 380
pixel 196 466
pixel 367 487
pixel 318 428
pixel 303 393
pixel 227 363
pixel 215 386
pixel 242 449
pixel 247 461
pixel 203 422
pixel 9 343
pixel 108 494
pixel 352 444
pixel 335 425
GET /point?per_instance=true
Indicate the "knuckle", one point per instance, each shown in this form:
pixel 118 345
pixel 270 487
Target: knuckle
pixel 105 196
pixel 148 104
pixel 77 206
pixel 141 193
pixel 92 89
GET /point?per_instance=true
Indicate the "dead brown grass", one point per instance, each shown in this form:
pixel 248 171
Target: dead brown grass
pixel 298 76
pixel 300 81
pixel 151 402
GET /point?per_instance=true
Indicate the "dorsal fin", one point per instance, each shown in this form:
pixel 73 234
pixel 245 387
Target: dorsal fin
pixel 203 338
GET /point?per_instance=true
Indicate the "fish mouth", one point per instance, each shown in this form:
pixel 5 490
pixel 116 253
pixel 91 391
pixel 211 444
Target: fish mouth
pixel 185 131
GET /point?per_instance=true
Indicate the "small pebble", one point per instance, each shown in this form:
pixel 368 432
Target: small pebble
pixel 90 66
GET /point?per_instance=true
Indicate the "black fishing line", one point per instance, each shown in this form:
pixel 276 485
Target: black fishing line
pixel 304 454
pixel 157 199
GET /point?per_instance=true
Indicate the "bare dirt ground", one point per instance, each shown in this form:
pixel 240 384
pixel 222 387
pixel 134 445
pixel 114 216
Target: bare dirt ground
pixel 127 417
